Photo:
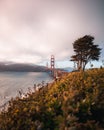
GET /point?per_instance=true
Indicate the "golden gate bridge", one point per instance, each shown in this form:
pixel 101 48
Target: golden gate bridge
pixel 55 72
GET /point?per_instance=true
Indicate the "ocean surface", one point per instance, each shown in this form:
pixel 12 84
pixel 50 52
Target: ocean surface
pixel 13 82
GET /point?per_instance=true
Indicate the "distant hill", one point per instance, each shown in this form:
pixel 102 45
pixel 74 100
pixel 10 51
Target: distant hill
pixel 67 69
pixel 7 66
pixel 25 67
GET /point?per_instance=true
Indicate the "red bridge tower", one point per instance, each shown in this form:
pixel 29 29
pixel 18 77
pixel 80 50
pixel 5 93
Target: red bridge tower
pixel 52 64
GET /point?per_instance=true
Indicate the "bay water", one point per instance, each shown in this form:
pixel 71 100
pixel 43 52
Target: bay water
pixel 13 82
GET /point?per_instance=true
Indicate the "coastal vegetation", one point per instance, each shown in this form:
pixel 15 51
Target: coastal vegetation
pixel 74 102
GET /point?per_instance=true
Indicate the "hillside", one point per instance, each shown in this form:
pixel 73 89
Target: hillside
pixel 75 102
pixel 5 66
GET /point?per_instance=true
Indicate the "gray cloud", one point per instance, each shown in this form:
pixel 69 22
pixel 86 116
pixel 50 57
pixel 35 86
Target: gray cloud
pixel 32 30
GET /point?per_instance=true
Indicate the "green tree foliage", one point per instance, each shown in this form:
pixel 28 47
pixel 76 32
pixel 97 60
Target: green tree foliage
pixel 85 51
pixel 75 102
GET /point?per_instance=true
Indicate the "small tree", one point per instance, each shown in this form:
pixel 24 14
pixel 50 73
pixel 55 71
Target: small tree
pixel 85 51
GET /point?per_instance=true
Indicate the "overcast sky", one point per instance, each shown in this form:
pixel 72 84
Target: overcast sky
pixel 32 30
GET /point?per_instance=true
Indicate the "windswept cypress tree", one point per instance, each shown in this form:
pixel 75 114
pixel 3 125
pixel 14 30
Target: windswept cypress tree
pixel 85 51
